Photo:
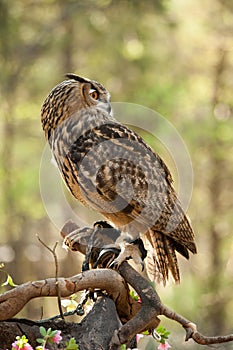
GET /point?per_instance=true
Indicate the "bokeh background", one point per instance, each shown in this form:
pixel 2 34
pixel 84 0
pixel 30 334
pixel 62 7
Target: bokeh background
pixel 173 56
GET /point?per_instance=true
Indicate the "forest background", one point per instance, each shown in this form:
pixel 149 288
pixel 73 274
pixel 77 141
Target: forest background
pixel 173 56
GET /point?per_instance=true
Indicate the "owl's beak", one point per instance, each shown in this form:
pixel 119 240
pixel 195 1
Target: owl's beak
pixel 106 106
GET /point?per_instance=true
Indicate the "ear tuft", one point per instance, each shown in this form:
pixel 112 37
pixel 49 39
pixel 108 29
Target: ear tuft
pixel 77 78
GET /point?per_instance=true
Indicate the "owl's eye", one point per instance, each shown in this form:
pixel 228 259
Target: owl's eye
pixel 94 94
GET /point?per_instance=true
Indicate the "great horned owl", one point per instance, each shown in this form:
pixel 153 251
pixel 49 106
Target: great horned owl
pixel 109 168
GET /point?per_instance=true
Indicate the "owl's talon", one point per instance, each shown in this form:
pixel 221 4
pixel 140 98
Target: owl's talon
pixel 107 256
pixel 114 264
pixel 129 251
pixel 113 256
pixel 134 250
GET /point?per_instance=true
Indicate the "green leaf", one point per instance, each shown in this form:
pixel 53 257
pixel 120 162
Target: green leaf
pixel 53 333
pixel 43 331
pixel 9 281
pixel 145 333
pixel 71 344
pixel 160 329
pixel 40 340
pixel 134 295
pixel 49 331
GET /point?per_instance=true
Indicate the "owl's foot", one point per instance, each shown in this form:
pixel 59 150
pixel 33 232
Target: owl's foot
pixel 134 250
pixel 98 245
pixel 103 234
pixel 116 255
pixel 107 256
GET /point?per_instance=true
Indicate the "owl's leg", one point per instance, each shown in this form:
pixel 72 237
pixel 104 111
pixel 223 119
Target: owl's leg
pixel 103 245
pixel 131 249
pixel 90 250
pixel 103 234
pixel 125 248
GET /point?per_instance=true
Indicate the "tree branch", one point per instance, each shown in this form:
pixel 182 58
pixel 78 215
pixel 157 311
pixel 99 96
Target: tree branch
pixel 15 299
pixel 135 317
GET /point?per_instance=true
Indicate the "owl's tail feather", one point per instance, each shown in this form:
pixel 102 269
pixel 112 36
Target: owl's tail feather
pixel 163 257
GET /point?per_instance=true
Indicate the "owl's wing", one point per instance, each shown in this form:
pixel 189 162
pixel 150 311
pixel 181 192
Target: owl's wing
pixel 120 176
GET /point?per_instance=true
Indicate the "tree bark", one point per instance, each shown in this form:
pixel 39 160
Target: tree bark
pixel 94 332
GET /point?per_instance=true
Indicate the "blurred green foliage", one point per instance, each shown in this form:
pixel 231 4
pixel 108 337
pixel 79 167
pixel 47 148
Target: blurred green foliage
pixel 173 56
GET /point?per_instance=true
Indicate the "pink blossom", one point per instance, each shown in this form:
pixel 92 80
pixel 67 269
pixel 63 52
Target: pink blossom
pixel 26 346
pixel 15 346
pixel 164 346
pixel 138 337
pixel 57 338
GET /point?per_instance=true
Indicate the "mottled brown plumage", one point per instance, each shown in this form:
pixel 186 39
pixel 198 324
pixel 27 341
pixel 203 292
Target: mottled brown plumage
pixel 109 168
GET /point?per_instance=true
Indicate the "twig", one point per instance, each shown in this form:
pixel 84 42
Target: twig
pixel 53 251
pixel 191 329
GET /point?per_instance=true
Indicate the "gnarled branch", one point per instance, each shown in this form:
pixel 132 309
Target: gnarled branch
pixel 135 317
pixel 15 299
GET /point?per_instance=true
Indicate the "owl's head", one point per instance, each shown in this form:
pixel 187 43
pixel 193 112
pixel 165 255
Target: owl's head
pixel 71 96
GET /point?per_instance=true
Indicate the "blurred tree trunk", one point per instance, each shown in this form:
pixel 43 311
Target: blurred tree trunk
pixel 12 217
pixel 8 93
pixel 216 312
pixel 68 37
